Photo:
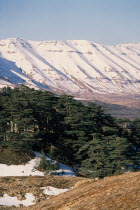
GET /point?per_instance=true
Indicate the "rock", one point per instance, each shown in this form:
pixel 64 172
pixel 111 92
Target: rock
pixel 21 205
pixel 37 200
pixel 41 195
pixel 21 197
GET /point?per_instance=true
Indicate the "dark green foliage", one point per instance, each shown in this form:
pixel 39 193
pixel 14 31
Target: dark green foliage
pixel 43 162
pixel 51 166
pixel 83 136
pixel 94 156
pixel 134 139
pixel 47 165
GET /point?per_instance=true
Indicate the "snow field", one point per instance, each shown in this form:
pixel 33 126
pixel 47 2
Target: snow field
pixel 71 66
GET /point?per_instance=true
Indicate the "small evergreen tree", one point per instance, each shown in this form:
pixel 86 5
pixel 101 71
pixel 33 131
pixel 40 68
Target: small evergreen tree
pixel 43 162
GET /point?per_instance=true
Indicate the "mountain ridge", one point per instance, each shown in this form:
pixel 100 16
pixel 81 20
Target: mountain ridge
pixel 77 67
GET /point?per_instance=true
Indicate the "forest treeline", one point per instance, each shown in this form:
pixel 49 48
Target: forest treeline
pixel 83 136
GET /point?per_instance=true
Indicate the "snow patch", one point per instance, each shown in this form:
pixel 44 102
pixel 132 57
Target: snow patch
pixel 21 170
pixel 29 169
pixel 63 169
pixel 53 191
pixel 7 200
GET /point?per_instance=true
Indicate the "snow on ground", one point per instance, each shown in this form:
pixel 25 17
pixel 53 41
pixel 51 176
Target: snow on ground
pixel 21 170
pixel 29 168
pixel 6 200
pixel 63 169
pixel 53 191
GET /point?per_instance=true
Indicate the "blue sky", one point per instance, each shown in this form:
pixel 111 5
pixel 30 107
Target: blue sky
pixel 102 21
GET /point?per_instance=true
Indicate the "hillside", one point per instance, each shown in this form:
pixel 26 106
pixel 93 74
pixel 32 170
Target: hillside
pixel 77 67
pixel 120 111
pixel 19 186
pixel 118 192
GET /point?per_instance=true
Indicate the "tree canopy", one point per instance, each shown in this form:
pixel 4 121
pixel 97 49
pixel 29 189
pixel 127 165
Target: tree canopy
pixel 81 135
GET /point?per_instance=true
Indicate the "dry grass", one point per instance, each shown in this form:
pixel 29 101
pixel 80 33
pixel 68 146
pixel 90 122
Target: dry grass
pixel 19 186
pixel 10 156
pixel 111 193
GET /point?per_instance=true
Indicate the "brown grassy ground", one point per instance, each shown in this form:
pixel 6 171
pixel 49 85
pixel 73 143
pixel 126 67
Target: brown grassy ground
pixel 119 192
pixel 19 186
pixel 130 100
pixel 111 193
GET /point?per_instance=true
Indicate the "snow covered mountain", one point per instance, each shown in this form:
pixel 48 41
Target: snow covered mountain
pixel 80 68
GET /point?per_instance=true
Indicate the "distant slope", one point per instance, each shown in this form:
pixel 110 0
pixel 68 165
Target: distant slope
pixel 119 111
pixel 80 68
pixel 118 192
pixel 125 106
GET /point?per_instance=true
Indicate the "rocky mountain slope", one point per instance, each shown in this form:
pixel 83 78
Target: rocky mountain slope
pixel 80 68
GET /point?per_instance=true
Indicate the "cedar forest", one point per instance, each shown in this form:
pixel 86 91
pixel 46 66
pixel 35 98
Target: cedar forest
pixel 82 136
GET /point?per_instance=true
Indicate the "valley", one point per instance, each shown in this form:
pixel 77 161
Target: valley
pixel 70 105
